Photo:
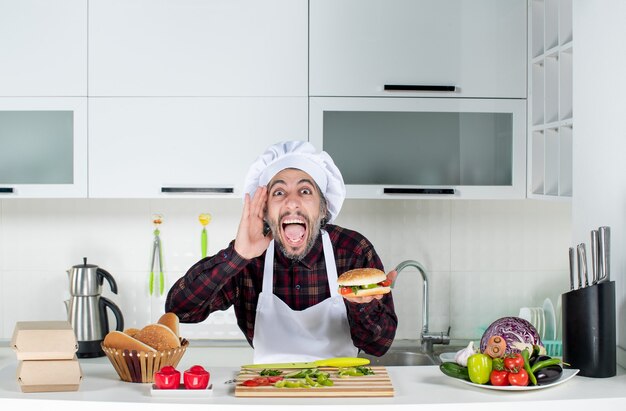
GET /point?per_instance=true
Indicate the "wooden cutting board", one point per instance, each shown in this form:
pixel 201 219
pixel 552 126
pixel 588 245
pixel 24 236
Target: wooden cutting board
pixel 377 385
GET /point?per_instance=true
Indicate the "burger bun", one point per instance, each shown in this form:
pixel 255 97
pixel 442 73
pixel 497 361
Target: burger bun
pixel 363 276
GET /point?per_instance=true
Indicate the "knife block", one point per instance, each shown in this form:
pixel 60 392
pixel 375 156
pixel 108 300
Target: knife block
pixel 589 335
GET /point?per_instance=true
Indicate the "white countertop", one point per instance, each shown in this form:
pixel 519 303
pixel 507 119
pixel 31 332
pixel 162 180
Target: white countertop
pixel 101 389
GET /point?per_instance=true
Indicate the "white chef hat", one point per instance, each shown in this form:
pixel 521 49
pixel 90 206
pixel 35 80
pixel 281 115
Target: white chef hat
pixel 301 155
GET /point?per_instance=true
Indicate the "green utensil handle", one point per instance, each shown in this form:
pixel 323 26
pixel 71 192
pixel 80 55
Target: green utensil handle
pixel 204 240
pixel 151 282
pixel 161 283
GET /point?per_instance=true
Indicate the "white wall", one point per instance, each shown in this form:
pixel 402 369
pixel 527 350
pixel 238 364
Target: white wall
pixel 485 259
pixel 600 135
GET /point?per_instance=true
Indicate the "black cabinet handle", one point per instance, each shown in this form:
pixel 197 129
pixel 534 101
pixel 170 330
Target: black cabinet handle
pixel 6 190
pixel 446 191
pixel 418 87
pixel 197 190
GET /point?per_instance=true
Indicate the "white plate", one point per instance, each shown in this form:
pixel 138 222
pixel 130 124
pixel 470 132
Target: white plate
pixel 567 375
pixel 181 392
pixel 548 310
pixel 447 356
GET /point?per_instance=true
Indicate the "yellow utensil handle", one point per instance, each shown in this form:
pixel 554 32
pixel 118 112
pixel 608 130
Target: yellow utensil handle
pixel 343 362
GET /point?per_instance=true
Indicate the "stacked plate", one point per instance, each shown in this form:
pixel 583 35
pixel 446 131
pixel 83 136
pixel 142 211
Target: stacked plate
pixel 542 318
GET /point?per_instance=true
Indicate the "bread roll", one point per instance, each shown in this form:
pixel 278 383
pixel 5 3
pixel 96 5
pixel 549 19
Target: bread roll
pixel 122 341
pixel 158 336
pixel 131 331
pixel 361 276
pixel 170 320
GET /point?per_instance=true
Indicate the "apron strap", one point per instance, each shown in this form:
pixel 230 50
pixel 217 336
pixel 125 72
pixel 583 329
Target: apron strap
pixel 331 266
pixel 268 270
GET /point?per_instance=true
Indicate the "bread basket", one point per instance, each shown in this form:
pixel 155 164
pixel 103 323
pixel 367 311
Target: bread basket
pixel 140 366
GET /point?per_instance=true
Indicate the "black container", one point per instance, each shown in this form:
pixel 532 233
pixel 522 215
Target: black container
pixel 589 335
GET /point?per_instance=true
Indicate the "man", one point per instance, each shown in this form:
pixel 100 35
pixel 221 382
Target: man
pixel 280 272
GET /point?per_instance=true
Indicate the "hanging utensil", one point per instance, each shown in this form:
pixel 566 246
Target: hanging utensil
pixel 604 254
pixel 205 219
pixel 594 256
pixel 157 254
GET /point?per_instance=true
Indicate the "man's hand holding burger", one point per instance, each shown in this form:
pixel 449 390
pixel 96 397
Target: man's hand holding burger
pixel 363 285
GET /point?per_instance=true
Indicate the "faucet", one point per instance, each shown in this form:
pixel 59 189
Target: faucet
pixel 427 338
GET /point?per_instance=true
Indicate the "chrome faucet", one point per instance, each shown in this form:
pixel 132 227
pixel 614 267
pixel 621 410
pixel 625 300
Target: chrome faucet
pixel 427 338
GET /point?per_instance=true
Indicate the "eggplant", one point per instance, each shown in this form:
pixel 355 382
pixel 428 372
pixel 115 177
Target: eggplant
pixel 548 374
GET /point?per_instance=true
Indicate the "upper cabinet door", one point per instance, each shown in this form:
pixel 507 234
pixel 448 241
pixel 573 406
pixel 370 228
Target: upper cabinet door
pixel 181 147
pixel 43 48
pixel 357 47
pixel 43 147
pixel 198 48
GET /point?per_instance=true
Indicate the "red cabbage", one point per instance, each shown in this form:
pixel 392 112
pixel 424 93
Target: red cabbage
pixel 516 331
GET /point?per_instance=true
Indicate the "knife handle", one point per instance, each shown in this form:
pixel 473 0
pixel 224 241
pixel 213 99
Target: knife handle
pixel 572 265
pixel 594 256
pixel 582 264
pixel 604 253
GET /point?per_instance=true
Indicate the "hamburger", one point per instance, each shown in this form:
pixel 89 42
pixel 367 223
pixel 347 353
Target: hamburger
pixel 362 282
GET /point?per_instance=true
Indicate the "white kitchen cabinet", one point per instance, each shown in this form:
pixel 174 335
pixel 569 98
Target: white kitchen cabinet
pixel 435 148
pixel 43 48
pixel 477 47
pixel 43 145
pixel 198 47
pixel 550 120
pixel 182 147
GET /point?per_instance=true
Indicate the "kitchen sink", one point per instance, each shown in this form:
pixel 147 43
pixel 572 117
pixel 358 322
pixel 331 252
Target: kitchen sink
pixel 401 358
pixel 409 353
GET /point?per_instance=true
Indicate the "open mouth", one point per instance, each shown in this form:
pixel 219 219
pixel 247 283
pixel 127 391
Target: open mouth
pixel 294 230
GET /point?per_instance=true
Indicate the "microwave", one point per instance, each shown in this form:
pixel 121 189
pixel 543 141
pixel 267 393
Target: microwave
pixel 436 148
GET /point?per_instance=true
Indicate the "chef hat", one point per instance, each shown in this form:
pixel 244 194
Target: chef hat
pixel 300 155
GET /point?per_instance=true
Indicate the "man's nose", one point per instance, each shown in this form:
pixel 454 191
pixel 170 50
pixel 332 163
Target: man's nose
pixel 292 201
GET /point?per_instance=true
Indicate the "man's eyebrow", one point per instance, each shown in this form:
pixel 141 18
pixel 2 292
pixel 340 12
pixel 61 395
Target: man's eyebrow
pixel 273 183
pixel 304 180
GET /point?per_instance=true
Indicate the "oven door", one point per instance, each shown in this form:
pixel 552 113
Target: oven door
pixel 424 147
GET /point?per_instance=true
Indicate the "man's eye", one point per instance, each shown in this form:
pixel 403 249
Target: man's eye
pixel 306 191
pixel 278 193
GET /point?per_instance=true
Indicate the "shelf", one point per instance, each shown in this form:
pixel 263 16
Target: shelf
pixel 551 55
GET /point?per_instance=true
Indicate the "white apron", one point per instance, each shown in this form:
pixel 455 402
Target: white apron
pixel 284 335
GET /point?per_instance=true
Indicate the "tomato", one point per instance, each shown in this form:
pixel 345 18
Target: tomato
pixel 514 362
pixel 499 377
pixel 385 283
pixel 345 290
pixel 196 378
pixel 519 378
pixel 250 383
pixel 273 379
pixel 479 368
pixel 262 380
pixel 167 378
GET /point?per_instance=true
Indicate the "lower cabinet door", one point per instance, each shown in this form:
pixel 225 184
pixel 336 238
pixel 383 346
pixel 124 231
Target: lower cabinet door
pixel 183 147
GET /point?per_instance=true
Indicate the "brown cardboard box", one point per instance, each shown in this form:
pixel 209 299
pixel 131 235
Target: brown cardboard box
pixel 44 340
pixel 49 376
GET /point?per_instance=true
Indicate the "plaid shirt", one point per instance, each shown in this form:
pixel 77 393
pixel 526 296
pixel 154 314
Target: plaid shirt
pixel 225 279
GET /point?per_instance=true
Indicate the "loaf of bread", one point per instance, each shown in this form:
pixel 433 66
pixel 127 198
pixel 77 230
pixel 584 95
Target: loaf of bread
pixel 170 320
pixel 158 336
pixel 131 331
pixel 122 341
